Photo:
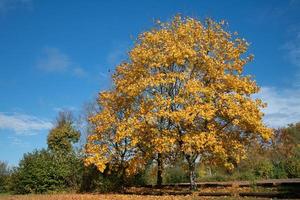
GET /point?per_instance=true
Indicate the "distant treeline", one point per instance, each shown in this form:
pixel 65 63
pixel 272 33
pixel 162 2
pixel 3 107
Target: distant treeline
pixel 60 167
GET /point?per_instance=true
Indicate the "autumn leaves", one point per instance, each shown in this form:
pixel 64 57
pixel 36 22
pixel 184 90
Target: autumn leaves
pixel 182 92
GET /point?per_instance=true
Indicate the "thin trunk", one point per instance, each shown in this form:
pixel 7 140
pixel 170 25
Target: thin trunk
pixel 191 162
pixel 192 174
pixel 122 177
pixel 209 171
pixel 159 170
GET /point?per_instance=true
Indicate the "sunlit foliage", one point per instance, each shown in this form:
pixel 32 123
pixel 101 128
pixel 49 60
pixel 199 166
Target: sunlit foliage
pixel 64 134
pixel 181 90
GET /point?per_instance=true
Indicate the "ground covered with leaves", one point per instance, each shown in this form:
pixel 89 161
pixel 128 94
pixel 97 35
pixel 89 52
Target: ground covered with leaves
pixel 107 197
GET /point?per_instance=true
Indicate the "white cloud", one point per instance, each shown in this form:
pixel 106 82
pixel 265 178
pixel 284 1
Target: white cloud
pixel 65 108
pixel 283 106
pixel 54 60
pixel 79 72
pixel 23 124
pixel 18 142
pixel 293 48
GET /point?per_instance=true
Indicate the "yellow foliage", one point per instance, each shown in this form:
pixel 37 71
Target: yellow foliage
pixel 181 90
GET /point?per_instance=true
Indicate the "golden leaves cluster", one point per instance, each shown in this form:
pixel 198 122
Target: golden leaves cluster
pixel 181 90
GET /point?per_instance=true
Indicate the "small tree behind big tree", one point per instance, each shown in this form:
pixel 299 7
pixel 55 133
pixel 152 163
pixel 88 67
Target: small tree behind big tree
pixel 185 92
pixel 64 134
pixel 4 176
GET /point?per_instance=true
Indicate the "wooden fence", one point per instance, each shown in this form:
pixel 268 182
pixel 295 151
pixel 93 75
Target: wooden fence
pixel 272 188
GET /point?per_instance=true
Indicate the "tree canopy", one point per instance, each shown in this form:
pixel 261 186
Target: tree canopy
pixel 182 90
pixel 64 134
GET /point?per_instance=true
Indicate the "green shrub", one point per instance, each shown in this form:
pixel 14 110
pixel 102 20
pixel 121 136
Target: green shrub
pixel 150 175
pixel 175 174
pixel 279 170
pixel 43 171
pixel 264 169
pixel 247 175
pixel 292 167
pixel 90 179
pixel 109 183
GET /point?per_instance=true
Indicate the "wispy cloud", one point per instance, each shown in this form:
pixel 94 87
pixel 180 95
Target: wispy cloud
pixel 7 5
pixel 283 106
pixel 79 72
pixel 65 108
pixel 23 124
pixel 54 60
pixel 292 53
pixel 15 141
pixel 293 50
pixel 117 54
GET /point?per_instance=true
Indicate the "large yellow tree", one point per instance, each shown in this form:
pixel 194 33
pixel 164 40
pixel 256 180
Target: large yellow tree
pixel 183 90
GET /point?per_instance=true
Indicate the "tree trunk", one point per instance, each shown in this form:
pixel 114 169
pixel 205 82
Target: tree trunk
pixel 159 170
pixel 209 171
pixel 122 178
pixel 192 174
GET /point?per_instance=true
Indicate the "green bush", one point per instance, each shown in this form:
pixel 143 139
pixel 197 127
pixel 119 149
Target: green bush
pixel 264 169
pixel 43 171
pixel 150 174
pixel 292 167
pixel 91 178
pixel 175 174
pixel 247 175
pixel 110 183
pixel 279 170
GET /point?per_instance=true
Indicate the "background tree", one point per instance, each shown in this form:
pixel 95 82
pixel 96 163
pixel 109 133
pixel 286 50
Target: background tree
pixel 64 134
pixel 85 126
pixel 286 140
pixel 280 158
pixel 285 150
pixel 4 177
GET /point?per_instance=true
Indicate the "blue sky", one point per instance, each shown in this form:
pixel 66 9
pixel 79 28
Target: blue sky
pixel 57 55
